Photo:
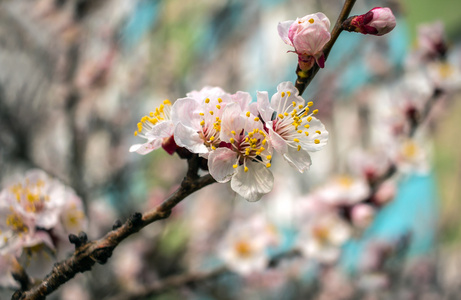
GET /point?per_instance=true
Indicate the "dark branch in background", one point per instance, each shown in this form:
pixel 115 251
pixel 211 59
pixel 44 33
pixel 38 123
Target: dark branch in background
pixel 194 278
pixel 305 77
pixel 87 253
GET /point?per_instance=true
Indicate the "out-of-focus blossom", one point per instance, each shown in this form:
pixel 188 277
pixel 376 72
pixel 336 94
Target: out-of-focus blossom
pixel 197 119
pixel 362 215
pixel 246 159
pixel 378 21
pixel 343 190
pixel 308 35
pixel 158 129
pixel 322 237
pixel 244 246
pixel 411 155
pixel 431 40
pixel 293 131
pixel 369 164
pixel 38 212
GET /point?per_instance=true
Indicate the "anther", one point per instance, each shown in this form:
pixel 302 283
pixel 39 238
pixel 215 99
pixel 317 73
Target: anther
pixel 317 141
pixel 316 111
pixel 310 103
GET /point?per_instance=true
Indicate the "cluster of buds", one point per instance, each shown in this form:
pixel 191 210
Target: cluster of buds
pixel 237 137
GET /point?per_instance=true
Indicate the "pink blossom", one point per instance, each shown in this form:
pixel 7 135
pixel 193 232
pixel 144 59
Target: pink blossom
pixel 246 159
pixel 293 129
pixel 308 36
pixel 197 119
pixel 378 21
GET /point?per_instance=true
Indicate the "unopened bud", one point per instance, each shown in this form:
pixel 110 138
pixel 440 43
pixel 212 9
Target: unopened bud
pixel 378 21
pixel 362 215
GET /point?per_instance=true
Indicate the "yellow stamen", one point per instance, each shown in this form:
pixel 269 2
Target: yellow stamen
pixel 317 141
pixel 207 100
pixel 269 157
pixel 219 100
pixel 235 166
pixel 256 119
pixel 296 140
pixel 135 133
pixel 232 140
pixel 248 114
pixel 316 111
pixel 268 165
pixel 246 169
pixel 310 103
pixel 218 106
pixel 299 147
pixel 202 122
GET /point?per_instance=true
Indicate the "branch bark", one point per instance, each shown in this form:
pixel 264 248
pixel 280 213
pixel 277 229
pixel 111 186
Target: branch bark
pixel 88 253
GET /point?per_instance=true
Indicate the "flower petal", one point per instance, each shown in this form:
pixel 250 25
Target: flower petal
pixel 283 28
pixel 231 120
pixel 220 164
pixel 147 147
pixel 186 110
pixel 308 142
pixel 189 138
pixel 264 108
pixel 301 159
pixel 276 141
pixel 252 185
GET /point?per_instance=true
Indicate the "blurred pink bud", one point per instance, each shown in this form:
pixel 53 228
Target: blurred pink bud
pixel 385 193
pixel 362 215
pixel 378 21
pixel 308 35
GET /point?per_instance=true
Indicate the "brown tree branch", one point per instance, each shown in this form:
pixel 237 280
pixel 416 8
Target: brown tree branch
pixel 305 77
pixel 88 253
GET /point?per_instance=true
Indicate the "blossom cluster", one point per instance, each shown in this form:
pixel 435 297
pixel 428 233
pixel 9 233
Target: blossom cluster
pixel 237 137
pixel 38 213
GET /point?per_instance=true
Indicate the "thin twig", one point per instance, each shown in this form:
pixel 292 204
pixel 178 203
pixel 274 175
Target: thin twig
pixel 305 78
pixel 88 253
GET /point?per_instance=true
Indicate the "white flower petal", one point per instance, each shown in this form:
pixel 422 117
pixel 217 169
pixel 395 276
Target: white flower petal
pixel 231 120
pixel 189 138
pixel 161 130
pixel 276 141
pixel 301 159
pixel 308 142
pixel 283 28
pixel 252 185
pixel 147 147
pixel 186 110
pixel 220 164
pixel 264 108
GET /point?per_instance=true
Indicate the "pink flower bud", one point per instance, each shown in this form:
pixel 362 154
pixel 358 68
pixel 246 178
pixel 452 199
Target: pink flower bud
pixel 308 35
pixel 362 215
pixel 378 21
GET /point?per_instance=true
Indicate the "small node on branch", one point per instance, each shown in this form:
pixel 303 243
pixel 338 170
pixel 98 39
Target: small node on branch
pixel 73 239
pixel 83 237
pixel 117 224
pixel 136 219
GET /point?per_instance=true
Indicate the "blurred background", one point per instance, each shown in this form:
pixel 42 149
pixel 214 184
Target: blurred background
pixel 76 76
